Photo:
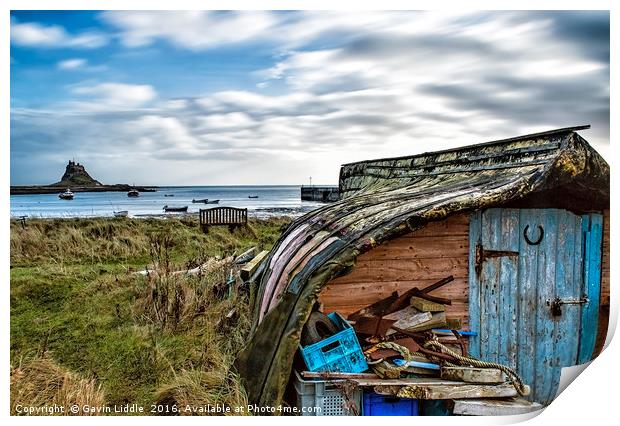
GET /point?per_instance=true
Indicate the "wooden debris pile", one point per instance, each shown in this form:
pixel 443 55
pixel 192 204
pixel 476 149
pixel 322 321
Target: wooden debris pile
pixel 414 350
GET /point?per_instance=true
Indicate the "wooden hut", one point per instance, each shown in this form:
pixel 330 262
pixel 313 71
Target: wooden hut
pixel 522 224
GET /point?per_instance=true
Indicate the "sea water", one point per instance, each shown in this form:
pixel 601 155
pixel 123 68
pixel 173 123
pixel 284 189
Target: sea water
pixel 271 201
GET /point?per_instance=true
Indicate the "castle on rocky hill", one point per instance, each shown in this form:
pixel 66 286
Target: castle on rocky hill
pixel 76 175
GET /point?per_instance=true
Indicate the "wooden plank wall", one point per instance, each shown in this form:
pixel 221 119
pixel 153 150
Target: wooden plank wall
pixel 603 321
pixel 414 260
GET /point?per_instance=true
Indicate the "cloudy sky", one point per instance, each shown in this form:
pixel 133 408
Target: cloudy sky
pixel 191 98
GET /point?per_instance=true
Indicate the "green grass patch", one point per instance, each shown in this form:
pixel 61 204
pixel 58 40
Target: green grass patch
pixel 76 299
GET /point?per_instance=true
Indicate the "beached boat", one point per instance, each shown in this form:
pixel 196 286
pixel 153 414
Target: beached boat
pixel 200 200
pixel 67 195
pixel 175 209
pixel 252 196
pixel 133 193
pixel 213 202
pixel 122 213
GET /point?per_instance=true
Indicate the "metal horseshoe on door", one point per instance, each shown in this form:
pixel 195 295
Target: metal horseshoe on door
pixel 541 235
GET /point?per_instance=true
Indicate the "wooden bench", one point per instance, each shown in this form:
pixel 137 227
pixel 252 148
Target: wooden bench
pixel 229 216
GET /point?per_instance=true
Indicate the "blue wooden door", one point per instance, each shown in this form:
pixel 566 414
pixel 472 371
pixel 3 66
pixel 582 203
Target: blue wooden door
pixel 534 281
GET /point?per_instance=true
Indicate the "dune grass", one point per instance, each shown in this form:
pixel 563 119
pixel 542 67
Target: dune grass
pixel 77 303
pixel 42 383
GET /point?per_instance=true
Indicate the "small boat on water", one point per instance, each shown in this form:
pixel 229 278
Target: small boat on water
pixel 213 202
pixel 252 196
pixel 175 209
pixel 122 213
pixel 200 200
pixel 133 193
pixel 67 195
pixel 168 195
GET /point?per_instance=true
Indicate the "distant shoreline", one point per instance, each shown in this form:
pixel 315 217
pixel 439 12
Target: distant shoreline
pixel 281 212
pixel 53 189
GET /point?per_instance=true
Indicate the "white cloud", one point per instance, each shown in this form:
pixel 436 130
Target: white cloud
pixel 114 96
pixel 33 34
pixel 71 64
pixel 164 133
pixel 233 120
pixel 190 29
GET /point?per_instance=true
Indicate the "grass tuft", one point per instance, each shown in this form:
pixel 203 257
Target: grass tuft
pixel 43 383
pixel 191 391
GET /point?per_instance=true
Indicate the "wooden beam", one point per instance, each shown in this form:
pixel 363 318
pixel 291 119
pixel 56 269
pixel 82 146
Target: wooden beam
pixel 438 320
pixel 454 323
pixel 409 323
pixel 448 391
pixel 473 375
pixel 250 267
pixel 424 305
pixel 408 312
pixel 246 256
pixel 494 407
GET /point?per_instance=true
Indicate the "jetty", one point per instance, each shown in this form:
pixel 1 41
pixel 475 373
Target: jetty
pixel 323 194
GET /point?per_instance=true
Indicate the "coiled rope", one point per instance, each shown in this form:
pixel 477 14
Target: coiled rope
pixel 512 375
pixel 384 368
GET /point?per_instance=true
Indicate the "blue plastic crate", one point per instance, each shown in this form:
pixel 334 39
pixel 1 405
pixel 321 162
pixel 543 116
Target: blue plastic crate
pixel 340 352
pixel 381 405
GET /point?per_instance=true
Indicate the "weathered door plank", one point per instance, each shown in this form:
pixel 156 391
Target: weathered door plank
pixel 546 370
pixel 508 294
pixel 592 287
pixel 528 265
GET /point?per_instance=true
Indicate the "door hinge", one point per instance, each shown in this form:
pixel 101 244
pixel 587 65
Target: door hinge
pixel 483 254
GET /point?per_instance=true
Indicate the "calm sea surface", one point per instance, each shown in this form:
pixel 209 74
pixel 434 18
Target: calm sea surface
pixel 271 201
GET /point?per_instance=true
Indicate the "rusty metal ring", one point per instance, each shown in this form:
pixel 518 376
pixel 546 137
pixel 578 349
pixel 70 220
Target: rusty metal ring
pixel 541 235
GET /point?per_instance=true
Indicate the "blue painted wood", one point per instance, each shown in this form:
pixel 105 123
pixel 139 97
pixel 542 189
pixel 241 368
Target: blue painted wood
pixel 592 287
pixel 510 300
pixel 528 303
pixel 475 294
pixel 491 239
pixel 569 264
pixel 546 371
pixel 508 310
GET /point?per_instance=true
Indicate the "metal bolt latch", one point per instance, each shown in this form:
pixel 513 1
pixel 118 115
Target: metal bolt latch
pixel 556 304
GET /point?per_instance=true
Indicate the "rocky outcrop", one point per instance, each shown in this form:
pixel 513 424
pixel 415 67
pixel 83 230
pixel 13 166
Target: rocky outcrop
pixel 76 175
pixel 78 180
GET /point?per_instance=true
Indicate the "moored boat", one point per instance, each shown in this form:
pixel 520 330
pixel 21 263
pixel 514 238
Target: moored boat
pixel 213 202
pixel 67 195
pixel 200 200
pixel 252 196
pixel 121 213
pixel 175 209
pixel 133 193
